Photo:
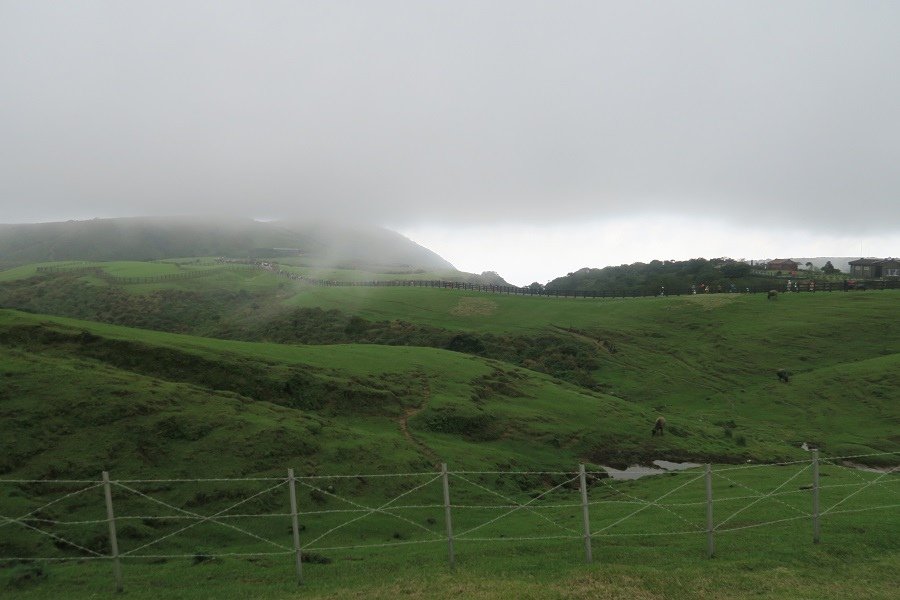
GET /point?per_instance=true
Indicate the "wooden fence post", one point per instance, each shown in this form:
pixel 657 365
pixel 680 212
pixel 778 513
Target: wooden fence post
pixel 710 542
pixel 295 526
pixel 113 542
pixel 815 495
pixel 588 554
pixel 450 555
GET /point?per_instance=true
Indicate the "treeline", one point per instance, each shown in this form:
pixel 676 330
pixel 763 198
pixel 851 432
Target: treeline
pixel 669 276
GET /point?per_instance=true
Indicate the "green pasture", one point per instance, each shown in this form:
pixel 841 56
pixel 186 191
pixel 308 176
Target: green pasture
pixel 763 545
pixel 212 379
pixel 337 274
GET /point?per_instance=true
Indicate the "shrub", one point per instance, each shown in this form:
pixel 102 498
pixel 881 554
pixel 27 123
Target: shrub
pixel 25 574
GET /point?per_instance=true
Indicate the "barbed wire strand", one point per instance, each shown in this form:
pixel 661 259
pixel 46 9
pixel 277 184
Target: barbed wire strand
pixel 861 489
pixel 648 505
pixel 538 497
pixel 362 475
pixel 198 480
pixel 768 495
pixel 49 504
pixel 859 476
pixel 309 545
pixel 520 539
pixel 518 504
pixel 855 510
pixel 642 501
pixel 512 472
pixel 384 545
pixel 64 523
pixel 97 481
pixel 652 534
pixel 381 509
pixel 771 496
pixel 54 558
pixel 204 554
pixel 202 517
pixel 760 524
pixel 185 528
pixel 54 536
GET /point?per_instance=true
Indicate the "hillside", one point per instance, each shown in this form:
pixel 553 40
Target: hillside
pixel 144 239
pixel 710 358
pixel 378 385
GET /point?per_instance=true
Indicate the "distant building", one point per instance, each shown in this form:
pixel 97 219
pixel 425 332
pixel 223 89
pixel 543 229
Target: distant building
pixel 875 268
pixel 890 267
pixel 782 264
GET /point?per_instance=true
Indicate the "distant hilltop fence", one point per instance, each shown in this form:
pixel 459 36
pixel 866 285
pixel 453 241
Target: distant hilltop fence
pixel 449 508
pixel 275 269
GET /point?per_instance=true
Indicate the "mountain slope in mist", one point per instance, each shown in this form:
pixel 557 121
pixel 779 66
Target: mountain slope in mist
pixel 173 237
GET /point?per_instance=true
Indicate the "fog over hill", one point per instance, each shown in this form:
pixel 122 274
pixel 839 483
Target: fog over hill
pixel 154 238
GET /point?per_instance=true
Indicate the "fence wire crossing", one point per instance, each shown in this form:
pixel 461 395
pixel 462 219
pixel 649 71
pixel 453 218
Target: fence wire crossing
pixel 188 518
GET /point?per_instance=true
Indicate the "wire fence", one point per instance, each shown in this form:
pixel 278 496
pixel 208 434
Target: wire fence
pixel 202 518
pixel 632 292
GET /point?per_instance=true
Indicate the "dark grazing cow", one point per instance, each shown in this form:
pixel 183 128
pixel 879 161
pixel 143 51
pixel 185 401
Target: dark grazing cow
pixel 783 375
pixel 772 295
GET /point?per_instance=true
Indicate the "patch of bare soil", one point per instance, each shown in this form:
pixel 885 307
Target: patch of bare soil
pixel 412 411
pixel 470 306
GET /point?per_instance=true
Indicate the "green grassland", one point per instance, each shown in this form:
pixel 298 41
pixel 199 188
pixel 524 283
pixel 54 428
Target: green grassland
pixel 243 373
pixel 710 359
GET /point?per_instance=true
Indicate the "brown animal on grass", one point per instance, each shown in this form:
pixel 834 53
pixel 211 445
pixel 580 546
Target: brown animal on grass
pixel 783 375
pixel 772 295
pixel 659 426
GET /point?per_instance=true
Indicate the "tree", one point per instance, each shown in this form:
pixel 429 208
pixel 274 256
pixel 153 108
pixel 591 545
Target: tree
pixel 829 269
pixel 736 269
pixel 809 266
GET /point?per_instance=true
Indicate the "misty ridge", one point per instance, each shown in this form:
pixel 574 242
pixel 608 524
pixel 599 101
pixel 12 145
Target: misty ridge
pixel 324 244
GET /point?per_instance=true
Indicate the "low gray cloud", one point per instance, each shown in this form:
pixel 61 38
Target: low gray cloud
pixel 455 112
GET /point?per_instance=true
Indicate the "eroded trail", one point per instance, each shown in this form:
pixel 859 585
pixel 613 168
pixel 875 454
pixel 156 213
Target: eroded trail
pixel 412 411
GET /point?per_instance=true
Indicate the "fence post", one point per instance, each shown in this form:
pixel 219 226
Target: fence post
pixel 295 526
pixel 113 542
pixel 815 495
pixel 710 542
pixel 450 556
pixel 588 555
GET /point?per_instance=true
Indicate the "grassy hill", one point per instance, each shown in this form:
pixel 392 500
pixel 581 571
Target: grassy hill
pixel 145 239
pixel 708 358
pixel 243 373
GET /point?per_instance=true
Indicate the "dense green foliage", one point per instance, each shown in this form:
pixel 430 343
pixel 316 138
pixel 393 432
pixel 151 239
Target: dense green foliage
pixel 655 277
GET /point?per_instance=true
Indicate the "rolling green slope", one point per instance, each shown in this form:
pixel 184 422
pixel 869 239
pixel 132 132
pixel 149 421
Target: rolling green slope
pixel 79 380
pixel 400 379
pixel 710 359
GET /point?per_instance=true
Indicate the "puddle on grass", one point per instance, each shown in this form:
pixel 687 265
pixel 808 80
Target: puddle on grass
pixel 638 471
pixel 853 465
pixel 869 469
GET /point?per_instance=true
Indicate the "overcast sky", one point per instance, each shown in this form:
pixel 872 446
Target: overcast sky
pixel 729 128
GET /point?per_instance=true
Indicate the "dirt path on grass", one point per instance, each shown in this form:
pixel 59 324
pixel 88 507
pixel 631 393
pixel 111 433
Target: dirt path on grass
pixel 586 338
pixel 412 411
